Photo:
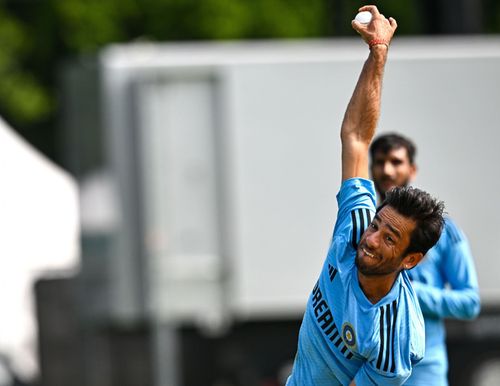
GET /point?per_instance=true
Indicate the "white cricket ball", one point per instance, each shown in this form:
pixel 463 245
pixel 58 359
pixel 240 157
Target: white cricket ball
pixel 363 17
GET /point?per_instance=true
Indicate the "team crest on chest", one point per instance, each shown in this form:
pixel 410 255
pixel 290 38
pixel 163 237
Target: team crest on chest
pixel 348 335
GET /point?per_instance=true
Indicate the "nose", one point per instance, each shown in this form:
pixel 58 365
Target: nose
pixel 372 239
pixel 388 169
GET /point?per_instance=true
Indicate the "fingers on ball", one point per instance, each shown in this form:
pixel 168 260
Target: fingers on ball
pixel 371 8
pixel 357 25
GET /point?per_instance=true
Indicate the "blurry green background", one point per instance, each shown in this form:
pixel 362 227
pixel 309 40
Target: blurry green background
pixel 36 36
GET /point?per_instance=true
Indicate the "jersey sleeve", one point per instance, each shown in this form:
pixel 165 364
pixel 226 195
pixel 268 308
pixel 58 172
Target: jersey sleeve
pixel 397 346
pixel 371 373
pixel 356 208
pixel 368 376
pixel 461 299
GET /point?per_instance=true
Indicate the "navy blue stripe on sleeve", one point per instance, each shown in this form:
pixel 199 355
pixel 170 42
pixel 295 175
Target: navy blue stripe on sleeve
pixel 368 217
pixel 354 229
pixel 394 316
pixel 360 218
pixel 386 360
pixel 362 223
pixel 381 347
pixel 388 336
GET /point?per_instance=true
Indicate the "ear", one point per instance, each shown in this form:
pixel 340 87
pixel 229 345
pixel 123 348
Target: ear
pixel 411 260
pixel 413 171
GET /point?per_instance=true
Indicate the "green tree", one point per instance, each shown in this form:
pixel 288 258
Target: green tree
pixel 37 35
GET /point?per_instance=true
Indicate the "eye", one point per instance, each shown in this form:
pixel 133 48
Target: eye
pixel 373 226
pixel 389 239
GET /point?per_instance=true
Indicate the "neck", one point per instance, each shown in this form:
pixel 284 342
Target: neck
pixel 375 287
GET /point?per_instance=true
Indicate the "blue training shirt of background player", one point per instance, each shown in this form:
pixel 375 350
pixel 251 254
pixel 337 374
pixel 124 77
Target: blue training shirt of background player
pixel 446 286
pixel 343 335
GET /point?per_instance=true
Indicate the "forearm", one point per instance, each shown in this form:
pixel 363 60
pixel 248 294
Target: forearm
pixel 447 303
pixel 362 114
pixel 460 298
pixel 363 110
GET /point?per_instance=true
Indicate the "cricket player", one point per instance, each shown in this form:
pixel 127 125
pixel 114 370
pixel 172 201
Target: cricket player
pixel 363 324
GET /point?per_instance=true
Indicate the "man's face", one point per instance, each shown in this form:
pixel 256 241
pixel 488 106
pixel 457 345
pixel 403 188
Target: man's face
pixel 391 169
pixel 382 246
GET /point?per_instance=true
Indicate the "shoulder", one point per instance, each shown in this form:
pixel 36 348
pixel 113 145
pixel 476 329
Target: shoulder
pixel 412 323
pixel 398 339
pixel 354 189
pixel 386 335
pixel 452 233
pixel 452 230
pixel 408 331
pixel 356 207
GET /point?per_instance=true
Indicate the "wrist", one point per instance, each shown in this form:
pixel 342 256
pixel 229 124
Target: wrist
pixel 376 43
pixel 379 52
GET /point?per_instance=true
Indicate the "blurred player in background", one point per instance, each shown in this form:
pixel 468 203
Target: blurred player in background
pixel 445 281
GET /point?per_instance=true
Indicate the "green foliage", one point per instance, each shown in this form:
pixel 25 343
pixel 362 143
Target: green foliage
pixel 21 95
pixel 88 25
pixel 492 17
pixel 232 19
pixel 36 35
pixel 12 37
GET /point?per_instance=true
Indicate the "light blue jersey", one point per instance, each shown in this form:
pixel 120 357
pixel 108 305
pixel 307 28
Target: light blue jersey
pixel 343 335
pixel 446 285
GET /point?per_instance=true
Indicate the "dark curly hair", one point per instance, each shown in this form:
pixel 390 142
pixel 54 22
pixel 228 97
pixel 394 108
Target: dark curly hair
pixel 387 142
pixel 425 210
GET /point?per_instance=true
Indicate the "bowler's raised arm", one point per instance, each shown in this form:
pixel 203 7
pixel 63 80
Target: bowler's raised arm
pixel 363 110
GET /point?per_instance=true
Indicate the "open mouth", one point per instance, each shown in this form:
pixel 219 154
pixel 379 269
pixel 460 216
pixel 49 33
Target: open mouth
pixel 370 255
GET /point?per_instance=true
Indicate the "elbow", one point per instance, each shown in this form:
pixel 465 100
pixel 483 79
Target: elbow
pixel 474 308
pixel 477 308
pixel 347 136
pixel 350 135
pixel 353 143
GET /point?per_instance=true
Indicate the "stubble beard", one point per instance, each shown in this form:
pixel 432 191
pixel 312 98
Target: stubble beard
pixel 379 270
